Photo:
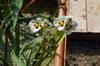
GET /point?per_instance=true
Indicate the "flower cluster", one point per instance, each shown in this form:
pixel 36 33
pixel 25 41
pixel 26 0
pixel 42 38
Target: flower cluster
pixel 62 23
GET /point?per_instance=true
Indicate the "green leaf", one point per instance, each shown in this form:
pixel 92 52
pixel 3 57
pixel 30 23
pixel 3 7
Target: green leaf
pixel 32 44
pixel 37 40
pixel 17 42
pixel 7 16
pixel 18 61
pixel 11 39
pixel 16 6
pixel 21 61
pixel 44 57
pixel 59 35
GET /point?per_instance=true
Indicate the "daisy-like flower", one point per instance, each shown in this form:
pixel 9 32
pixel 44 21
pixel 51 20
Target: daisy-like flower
pixel 59 22
pixel 70 25
pixel 47 24
pixel 34 25
pixel 65 23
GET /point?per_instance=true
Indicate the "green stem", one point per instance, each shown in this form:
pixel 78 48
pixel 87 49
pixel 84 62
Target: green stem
pixel 17 41
pixel 45 56
pixel 37 53
pixel 51 58
pixel 42 46
pixel 29 58
pixel 5 45
pixel 63 36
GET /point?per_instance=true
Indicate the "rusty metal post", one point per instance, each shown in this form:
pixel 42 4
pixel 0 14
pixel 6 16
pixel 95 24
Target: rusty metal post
pixel 61 50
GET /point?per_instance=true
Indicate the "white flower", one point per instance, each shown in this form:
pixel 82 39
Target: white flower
pixel 59 22
pixel 34 26
pixel 46 24
pixel 70 25
pixel 65 23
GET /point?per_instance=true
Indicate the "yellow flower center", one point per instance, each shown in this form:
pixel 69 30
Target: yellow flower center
pixel 46 25
pixel 61 23
pixel 37 25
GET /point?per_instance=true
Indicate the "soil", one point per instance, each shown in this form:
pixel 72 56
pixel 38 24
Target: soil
pixel 83 52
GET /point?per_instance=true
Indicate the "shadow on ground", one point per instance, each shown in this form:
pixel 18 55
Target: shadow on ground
pixel 83 49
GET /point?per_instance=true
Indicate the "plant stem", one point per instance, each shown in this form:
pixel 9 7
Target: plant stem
pixel 37 53
pixel 17 46
pixel 5 45
pixel 51 58
pixel 39 63
pixel 29 58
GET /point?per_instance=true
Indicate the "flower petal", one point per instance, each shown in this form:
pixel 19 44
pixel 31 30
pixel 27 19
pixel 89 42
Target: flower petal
pixel 60 28
pixel 34 26
pixel 59 22
pixel 47 24
pixel 31 23
pixel 70 25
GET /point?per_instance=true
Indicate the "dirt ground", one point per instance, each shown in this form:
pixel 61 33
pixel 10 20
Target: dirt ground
pixel 83 52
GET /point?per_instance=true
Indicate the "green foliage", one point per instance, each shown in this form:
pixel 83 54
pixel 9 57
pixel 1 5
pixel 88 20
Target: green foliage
pixel 32 44
pixel 18 61
pixel 15 7
pixel 30 52
pixel 1 33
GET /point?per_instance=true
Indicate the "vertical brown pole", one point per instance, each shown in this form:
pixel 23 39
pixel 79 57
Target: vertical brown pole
pixel 61 50
pixel 59 58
